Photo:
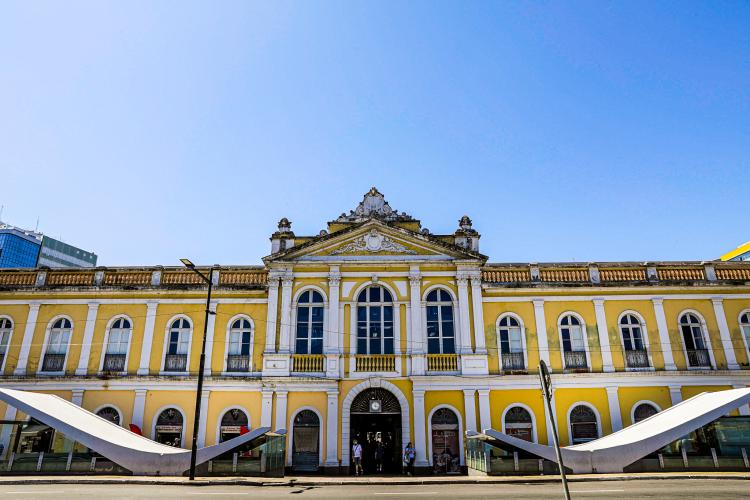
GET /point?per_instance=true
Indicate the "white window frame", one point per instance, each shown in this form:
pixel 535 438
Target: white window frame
pixel 529 410
pixel 596 414
pixel 706 339
pixel 646 345
pixel 9 331
pixel 47 333
pixel 382 305
pixel 224 412
pixel 639 403
pixel 156 419
pixel 166 346
pixel 110 405
pixel 423 315
pixel 523 338
pixel 584 332
pixel 295 304
pixel 227 338
pixel 110 325
pixel 439 304
pixel 461 432
pixel 290 434
pixel 742 330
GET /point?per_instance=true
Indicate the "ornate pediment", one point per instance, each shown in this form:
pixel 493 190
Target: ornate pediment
pixel 373 205
pixel 373 242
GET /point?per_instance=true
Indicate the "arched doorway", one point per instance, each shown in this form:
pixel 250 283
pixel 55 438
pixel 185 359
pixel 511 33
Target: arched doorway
pixel 169 428
pixel 306 442
pixel 446 448
pixel 376 425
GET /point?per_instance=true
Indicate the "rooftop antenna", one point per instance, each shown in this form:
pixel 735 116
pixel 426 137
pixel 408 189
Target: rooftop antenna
pixel 36 228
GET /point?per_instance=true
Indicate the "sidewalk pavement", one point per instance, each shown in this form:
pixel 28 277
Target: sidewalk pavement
pixel 358 481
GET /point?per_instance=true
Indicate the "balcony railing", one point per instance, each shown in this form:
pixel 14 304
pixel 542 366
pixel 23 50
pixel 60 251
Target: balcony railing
pixel 238 363
pixel 513 361
pixel 307 363
pixel 575 360
pixel 114 363
pixel 175 363
pixel 53 363
pixel 637 358
pixel 375 363
pixel 699 358
pixel 442 362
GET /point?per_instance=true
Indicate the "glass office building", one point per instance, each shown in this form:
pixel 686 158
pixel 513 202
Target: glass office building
pixel 18 248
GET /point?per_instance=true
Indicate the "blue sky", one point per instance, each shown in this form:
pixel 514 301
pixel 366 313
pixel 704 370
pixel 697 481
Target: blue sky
pixel 589 131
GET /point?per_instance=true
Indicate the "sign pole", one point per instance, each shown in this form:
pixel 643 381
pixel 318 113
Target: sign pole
pixel 546 381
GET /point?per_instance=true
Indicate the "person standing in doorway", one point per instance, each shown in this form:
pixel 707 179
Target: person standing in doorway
pixel 409 455
pixel 379 454
pixel 357 455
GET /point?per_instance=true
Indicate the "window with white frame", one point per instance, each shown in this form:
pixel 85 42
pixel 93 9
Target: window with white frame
pixel 584 425
pixel 375 321
pixel 644 411
pixel 695 341
pixel 240 343
pixel 310 316
pixel 573 342
pixel 518 423
pixel 178 344
pixel 510 338
pixel 6 329
pixel 57 345
pixel 118 342
pixel 441 335
pixel 745 327
pixel 631 330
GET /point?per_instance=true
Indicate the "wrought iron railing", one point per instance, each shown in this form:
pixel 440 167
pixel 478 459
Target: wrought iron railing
pixel 699 358
pixel 238 363
pixel 175 363
pixel 575 359
pixel 513 361
pixel 375 363
pixel 637 358
pixel 114 363
pixel 307 363
pixel 442 362
pixel 53 363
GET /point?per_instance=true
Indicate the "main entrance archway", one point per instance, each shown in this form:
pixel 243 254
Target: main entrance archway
pixel 376 425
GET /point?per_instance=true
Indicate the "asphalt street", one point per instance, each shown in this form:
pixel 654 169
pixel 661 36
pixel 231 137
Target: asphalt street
pixel 714 489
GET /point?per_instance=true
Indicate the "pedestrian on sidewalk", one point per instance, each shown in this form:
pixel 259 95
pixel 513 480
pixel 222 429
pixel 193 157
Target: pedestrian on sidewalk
pixel 357 454
pixel 409 455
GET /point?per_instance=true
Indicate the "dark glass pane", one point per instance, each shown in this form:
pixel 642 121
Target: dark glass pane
pixel 504 336
pixel 246 338
pixel 301 347
pixel 303 314
pixel 388 346
pixel 316 297
pixel 245 349
pixel 317 330
pixel 505 345
pixel 504 322
pixel 637 338
pixel 317 314
pixel 512 321
pixel 375 294
pixel 374 315
pixel 688 337
pixel 305 297
pixel 447 312
pixel 565 320
pixel 246 324
pixel 362 296
pixel 375 346
pixel 566 340
pixel 387 296
pixel 449 347
pixel 432 296
pixel 433 346
pixel 448 329
pixel 698 336
pixel 628 343
pixel 445 296
pixel 388 330
pixel 432 313
pixel 388 313
pixel 317 346
pixel 432 329
pixel 361 314
pixel 362 330
pixel 362 345
pixel 125 323
pixel 302 332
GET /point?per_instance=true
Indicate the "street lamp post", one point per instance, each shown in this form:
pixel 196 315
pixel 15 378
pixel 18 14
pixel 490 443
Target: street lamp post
pixel 546 381
pixel 202 364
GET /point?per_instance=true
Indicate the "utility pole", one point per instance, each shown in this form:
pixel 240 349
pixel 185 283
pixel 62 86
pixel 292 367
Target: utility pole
pixel 546 381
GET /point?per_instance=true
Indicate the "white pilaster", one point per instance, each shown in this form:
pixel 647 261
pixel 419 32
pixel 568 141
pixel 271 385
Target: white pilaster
pixel 462 282
pixel 210 336
pixel 661 326
pixel 675 394
pixel 10 414
pixel 548 417
pixel 485 417
pixel 333 334
pixel 77 396
pixel 88 338
pixel 420 443
pixel 271 315
pixel 726 337
pixel 615 415
pixel 286 315
pixel 266 408
pixel 203 418
pixel 601 326
pixel 470 410
pixel 281 404
pixel 541 331
pixel 416 344
pixel 28 337
pixel 332 421
pixel 148 337
pixel 139 407
pixel 744 410
pixel 478 312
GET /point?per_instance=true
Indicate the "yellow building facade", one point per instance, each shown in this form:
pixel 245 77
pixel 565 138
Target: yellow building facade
pixel 380 331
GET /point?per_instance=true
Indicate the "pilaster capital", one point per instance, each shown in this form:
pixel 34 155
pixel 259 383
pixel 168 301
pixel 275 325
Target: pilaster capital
pixel 93 304
pixel 151 304
pixel 483 393
pixel 287 281
pixel 717 301
pixel 281 394
pixel 469 393
pixel 141 393
pixel 332 393
pixel 598 302
pixel 538 303
pixel 611 389
pixel 418 393
pixel 266 392
pixel 34 305
pixel 334 279
pixel 658 301
pixel 415 278
pixel 462 279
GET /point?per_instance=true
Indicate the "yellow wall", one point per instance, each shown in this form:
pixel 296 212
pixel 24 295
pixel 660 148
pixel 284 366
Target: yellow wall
pixel 501 400
pixel 564 401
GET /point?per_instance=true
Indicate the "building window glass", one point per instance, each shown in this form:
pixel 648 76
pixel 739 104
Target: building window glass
pixel 234 423
pixel 169 428
pixel 6 328
pixel 631 330
pixel 695 341
pixel 117 345
pixel 510 336
pixel 110 414
pixel 573 342
pixel 310 323
pixel 240 345
pixel 644 411
pixel 57 346
pixel 177 348
pixel 583 425
pixel 375 321
pixel 745 326
pixel 446 450
pixel 518 423
pixel 441 336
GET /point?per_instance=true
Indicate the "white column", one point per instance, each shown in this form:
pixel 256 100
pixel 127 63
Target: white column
pixel 139 407
pixel 476 301
pixel 210 336
pixel 416 343
pixel 10 414
pixel 333 335
pixel 547 417
pixel 77 397
pixel 88 338
pixel 266 408
pixel 463 313
pixel 615 415
pixel 332 435
pixel 470 410
pixel 726 337
pixel 286 315
pixel 420 443
pixel 601 326
pixel 148 337
pixel 28 337
pixel 744 410
pixel 541 331
pixel 675 394
pixel 661 325
pixel 203 418
pixel 281 403
pixel 271 315
pixel 485 417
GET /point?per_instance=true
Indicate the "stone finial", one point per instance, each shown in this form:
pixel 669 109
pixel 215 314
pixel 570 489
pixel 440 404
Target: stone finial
pixel 285 225
pixel 465 223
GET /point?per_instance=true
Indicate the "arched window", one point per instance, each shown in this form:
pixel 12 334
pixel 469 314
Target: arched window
pixel 233 423
pixel 631 330
pixel 446 452
pixel 583 425
pixel 118 341
pixel 6 329
pixel 745 326
pixel 169 428
pixel 56 349
pixel 375 321
pixel 695 341
pixel 644 411
pixel 310 309
pixel 110 414
pixel 518 423
pixel 306 441
pixel 178 346
pixel 510 338
pixel 441 336
pixel 573 342
pixel 240 345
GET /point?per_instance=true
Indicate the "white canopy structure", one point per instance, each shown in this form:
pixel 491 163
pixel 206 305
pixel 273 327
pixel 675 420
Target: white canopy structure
pixel 614 452
pixel 136 453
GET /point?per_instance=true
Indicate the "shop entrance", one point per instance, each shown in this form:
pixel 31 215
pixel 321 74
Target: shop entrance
pixel 376 425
